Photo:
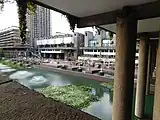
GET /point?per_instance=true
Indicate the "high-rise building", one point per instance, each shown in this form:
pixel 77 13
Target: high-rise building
pixel 39 24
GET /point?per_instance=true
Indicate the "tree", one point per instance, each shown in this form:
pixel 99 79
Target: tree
pixel 22 5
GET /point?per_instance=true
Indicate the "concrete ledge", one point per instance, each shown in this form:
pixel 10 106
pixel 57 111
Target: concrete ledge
pixel 20 103
pixel 3 78
pixel 75 73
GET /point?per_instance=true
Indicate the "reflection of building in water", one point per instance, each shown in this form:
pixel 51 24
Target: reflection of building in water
pixel 61 46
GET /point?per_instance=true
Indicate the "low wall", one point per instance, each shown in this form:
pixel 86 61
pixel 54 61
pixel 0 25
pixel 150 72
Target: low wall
pixel 75 73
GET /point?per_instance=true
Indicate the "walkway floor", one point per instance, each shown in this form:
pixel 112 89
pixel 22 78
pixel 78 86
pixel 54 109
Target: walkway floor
pixel 20 103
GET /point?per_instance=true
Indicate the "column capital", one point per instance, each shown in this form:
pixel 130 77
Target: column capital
pixel 144 34
pixel 126 13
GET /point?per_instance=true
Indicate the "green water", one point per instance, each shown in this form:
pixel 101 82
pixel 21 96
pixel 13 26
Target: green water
pixel 101 109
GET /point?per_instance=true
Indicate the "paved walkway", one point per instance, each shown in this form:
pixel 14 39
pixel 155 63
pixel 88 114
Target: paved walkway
pixel 20 103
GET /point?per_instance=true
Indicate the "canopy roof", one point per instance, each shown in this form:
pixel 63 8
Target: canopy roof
pixel 83 8
pixel 103 13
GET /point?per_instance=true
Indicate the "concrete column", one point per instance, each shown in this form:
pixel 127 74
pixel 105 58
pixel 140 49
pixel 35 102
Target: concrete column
pixel 76 54
pixel 66 55
pixel 156 109
pixel 125 64
pixel 149 71
pixel 142 76
pixel 151 65
pixel 44 55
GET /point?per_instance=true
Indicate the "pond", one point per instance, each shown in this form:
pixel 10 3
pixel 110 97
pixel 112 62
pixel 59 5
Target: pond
pixel 36 78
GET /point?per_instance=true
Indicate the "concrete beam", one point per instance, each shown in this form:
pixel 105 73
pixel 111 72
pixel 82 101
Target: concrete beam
pixel 143 11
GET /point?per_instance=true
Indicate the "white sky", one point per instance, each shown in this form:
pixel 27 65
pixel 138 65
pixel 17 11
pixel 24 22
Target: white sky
pixel 9 17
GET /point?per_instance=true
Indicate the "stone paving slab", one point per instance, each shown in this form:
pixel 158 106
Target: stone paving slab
pixel 20 103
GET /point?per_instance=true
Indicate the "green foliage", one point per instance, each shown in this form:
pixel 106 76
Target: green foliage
pixel 76 96
pixel 1 50
pixel 11 64
pixel 1 5
pixel 108 85
pixel 6 55
pixel 31 6
pixel 72 20
pixel 110 34
pixel 22 10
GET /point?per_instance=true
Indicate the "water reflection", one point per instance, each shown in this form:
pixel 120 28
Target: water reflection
pixel 101 109
pixel 7 70
pixel 110 97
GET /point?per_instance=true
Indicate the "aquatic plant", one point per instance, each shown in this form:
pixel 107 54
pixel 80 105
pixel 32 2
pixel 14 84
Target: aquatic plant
pixel 12 64
pixel 75 96
pixel 108 85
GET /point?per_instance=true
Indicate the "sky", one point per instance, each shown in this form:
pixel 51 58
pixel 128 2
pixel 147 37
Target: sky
pixel 9 17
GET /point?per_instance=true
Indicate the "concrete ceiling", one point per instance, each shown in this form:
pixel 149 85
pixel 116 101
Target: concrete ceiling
pixel 83 8
pixel 147 25
pixel 88 9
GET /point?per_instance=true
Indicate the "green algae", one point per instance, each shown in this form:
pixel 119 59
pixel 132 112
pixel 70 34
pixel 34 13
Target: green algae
pixel 75 96
pixel 11 64
pixel 108 85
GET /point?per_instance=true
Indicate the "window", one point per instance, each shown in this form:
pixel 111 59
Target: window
pixel 111 50
pixel 137 51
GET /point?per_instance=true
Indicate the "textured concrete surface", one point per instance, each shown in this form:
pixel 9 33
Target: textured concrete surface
pixel 3 78
pixel 125 65
pixel 142 77
pixel 20 103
